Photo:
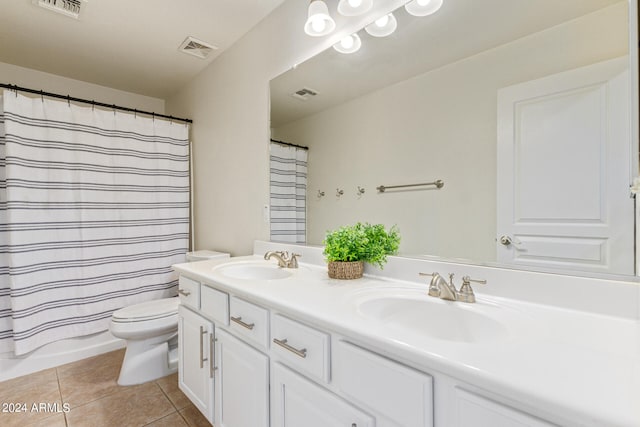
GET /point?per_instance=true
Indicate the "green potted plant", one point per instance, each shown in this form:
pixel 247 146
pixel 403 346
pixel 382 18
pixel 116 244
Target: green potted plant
pixel 349 247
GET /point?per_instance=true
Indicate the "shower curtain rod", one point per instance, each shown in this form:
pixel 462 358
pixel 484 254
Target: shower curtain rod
pixel 289 144
pixel 92 102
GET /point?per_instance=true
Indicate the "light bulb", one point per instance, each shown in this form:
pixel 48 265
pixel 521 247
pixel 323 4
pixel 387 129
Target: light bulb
pixel 354 7
pixel 423 7
pixel 347 42
pixel 381 22
pixel 318 25
pixel 383 26
pixel 319 22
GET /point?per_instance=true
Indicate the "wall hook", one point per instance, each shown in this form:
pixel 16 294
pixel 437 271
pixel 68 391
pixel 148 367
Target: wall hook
pixel 320 194
pixel 360 191
pixel 339 192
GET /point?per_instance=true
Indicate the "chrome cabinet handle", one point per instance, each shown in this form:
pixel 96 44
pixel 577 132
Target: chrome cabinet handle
pixel 283 343
pixel 183 292
pixel 239 321
pixel 212 356
pixel 203 332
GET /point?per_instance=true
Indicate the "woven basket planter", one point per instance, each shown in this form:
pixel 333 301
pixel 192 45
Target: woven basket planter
pixel 346 269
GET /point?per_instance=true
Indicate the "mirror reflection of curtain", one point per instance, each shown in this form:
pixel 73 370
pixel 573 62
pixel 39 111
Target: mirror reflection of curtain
pixel 94 210
pixel 288 193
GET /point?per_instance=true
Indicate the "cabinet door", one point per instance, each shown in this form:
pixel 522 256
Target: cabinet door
pixel 475 411
pixel 242 384
pixel 296 401
pixel 396 394
pixel 195 371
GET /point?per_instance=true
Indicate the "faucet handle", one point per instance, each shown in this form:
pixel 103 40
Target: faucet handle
pixel 434 290
pixel 466 292
pixel 293 261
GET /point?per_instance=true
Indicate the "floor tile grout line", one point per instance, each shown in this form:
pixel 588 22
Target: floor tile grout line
pixel 167 396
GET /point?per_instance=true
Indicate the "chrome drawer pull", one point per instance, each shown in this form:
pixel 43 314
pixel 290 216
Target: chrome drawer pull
pixel 203 332
pixel 183 292
pixel 283 343
pixel 239 321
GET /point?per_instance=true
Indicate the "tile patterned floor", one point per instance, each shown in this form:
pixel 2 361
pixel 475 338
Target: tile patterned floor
pixel 88 388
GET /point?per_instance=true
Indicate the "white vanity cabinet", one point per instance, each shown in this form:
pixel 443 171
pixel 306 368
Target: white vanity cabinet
pixel 242 383
pixel 247 364
pixel 195 366
pixel 472 410
pixel 398 395
pixel 296 401
pixel 200 306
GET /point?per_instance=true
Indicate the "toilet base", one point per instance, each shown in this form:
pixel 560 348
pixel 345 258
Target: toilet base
pixel 148 360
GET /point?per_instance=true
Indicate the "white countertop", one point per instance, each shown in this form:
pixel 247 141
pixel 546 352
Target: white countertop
pixel 570 367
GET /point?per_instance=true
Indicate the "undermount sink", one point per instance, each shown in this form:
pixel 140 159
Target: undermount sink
pixel 253 271
pixel 418 313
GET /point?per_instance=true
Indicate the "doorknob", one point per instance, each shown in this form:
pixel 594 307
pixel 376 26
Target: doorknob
pixel 506 240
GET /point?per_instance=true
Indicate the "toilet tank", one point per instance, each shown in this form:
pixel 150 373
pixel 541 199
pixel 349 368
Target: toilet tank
pixel 205 254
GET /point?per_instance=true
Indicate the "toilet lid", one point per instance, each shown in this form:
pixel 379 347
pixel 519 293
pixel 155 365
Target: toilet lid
pixel 149 310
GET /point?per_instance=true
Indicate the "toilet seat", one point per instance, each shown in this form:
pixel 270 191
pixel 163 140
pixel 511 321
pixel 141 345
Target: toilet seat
pixel 146 320
pixel 146 311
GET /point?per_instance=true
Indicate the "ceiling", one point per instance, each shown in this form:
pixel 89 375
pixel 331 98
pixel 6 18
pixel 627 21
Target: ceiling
pixel 124 44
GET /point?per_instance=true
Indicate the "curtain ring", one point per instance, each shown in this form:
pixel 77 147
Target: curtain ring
pixel 135 113
pixel 153 116
pixel 93 105
pixel 68 100
pixel 114 110
pixel 42 96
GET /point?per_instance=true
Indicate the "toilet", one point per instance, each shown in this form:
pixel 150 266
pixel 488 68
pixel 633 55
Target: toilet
pixel 151 331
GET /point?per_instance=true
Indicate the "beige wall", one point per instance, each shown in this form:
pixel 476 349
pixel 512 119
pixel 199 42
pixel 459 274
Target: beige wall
pixel 439 125
pixel 229 103
pixel 32 79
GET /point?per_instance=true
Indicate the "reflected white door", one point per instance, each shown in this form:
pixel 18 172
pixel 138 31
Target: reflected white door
pixel 564 171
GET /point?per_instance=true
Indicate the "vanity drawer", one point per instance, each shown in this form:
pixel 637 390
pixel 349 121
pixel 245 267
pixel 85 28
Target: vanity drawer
pixel 301 347
pixel 394 391
pixel 214 304
pixel 189 292
pixel 249 321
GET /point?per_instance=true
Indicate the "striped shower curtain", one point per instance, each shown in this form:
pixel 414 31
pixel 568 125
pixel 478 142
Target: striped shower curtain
pixel 288 193
pixel 94 209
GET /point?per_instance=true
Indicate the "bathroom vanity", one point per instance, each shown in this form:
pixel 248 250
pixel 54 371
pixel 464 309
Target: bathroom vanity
pixel 266 346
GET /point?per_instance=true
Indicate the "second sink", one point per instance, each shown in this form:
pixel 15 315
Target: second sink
pixel 413 311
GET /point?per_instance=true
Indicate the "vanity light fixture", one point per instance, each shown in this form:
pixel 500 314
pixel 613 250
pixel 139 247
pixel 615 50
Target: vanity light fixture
pixel 349 44
pixel 383 26
pixel 423 7
pixel 319 22
pixel 354 7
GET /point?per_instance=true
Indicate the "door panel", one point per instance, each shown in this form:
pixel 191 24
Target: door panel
pixel 564 171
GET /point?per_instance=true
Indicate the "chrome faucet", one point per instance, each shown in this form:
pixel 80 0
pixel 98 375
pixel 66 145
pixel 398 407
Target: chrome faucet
pixel 440 288
pixel 284 261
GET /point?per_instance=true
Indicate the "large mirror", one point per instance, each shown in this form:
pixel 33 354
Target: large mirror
pixel 515 105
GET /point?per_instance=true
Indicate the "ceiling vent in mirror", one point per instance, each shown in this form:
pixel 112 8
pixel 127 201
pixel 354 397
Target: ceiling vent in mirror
pixel 304 94
pixel 70 8
pixel 195 47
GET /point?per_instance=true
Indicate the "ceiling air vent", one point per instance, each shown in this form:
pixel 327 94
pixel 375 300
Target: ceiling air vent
pixel 70 8
pixel 304 94
pixel 196 47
